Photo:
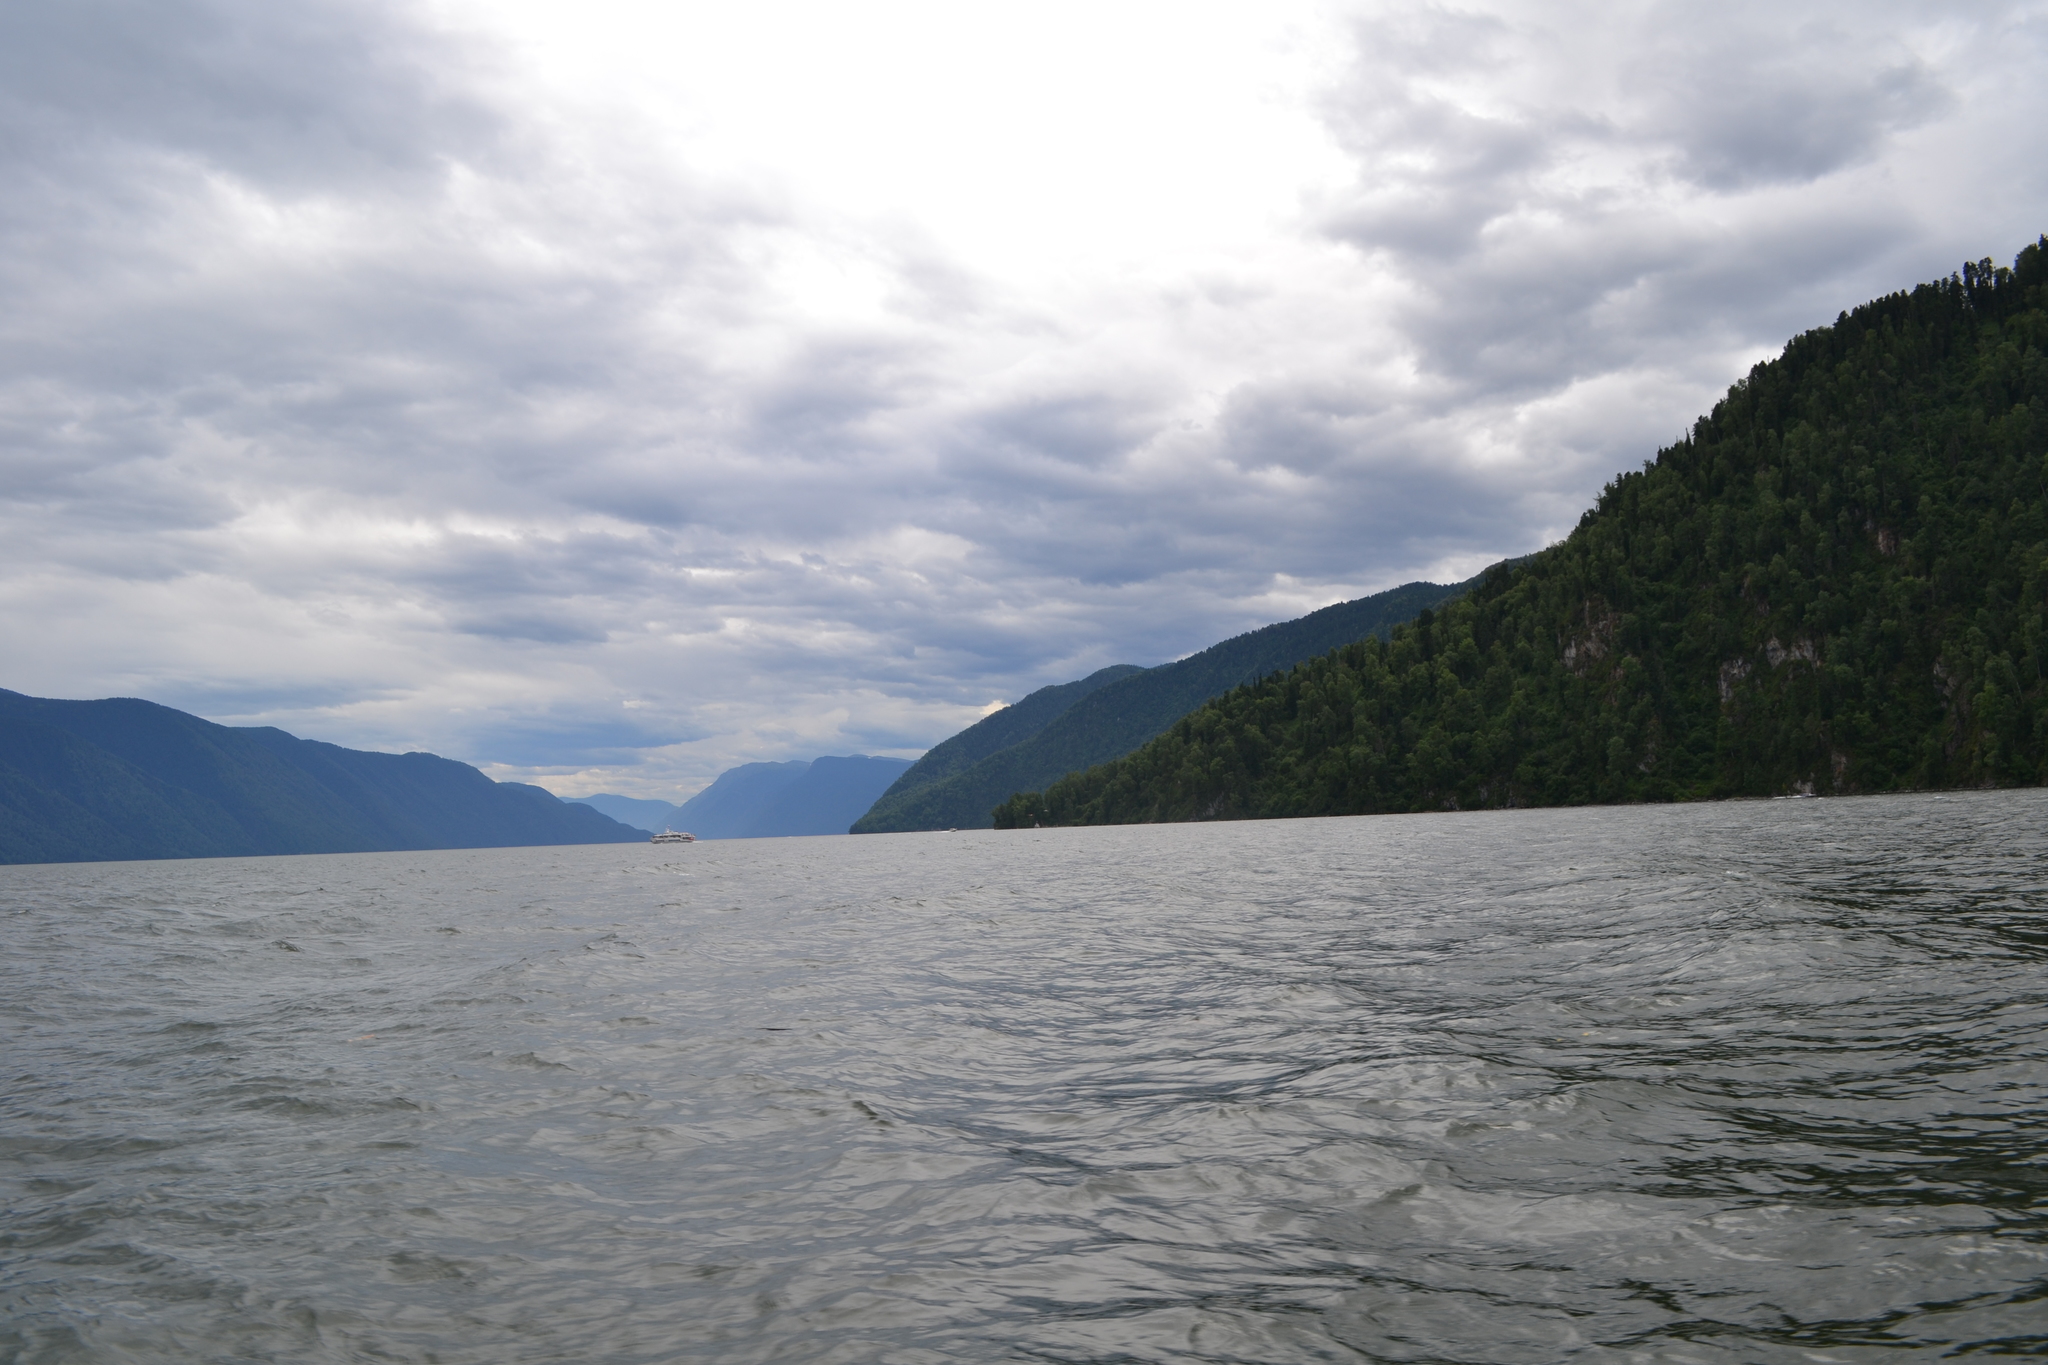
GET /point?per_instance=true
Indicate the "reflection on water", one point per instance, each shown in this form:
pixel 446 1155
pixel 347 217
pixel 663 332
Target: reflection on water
pixel 1754 1082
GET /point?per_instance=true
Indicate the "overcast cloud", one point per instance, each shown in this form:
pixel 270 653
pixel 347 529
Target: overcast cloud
pixel 610 395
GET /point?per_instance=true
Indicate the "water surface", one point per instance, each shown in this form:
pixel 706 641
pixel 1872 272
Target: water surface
pixel 1753 1082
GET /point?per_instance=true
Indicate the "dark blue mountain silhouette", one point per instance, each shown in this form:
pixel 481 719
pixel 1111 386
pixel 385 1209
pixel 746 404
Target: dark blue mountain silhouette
pixel 765 800
pixel 83 781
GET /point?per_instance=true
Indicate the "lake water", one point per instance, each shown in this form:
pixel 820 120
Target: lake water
pixel 1752 1082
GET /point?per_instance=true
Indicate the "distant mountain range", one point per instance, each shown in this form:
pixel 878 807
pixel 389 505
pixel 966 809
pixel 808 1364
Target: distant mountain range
pixel 84 781
pixel 123 778
pixel 1064 729
pixel 637 811
pixel 767 800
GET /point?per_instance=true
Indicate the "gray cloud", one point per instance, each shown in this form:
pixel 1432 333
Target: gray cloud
pixel 305 98
pixel 1735 122
pixel 340 390
pixel 1558 181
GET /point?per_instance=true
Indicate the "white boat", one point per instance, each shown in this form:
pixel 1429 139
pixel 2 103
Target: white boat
pixel 672 836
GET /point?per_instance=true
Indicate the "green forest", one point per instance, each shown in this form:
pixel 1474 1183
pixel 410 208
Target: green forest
pixel 1061 730
pixel 1834 583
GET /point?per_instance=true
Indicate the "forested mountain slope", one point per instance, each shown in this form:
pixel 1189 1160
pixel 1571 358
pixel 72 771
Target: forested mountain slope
pixel 83 781
pixel 1117 717
pixel 1011 725
pixel 1835 582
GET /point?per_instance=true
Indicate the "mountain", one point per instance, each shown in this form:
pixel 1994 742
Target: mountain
pixel 1011 725
pixel 728 807
pixel 638 812
pixel 1116 717
pixel 82 781
pixel 765 800
pixel 1836 582
pixel 829 796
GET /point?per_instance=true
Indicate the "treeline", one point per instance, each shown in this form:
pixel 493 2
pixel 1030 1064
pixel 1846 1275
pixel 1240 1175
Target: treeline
pixel 1834 583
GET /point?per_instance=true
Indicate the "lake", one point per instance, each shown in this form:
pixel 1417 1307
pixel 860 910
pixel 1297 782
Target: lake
pixel 1747 1082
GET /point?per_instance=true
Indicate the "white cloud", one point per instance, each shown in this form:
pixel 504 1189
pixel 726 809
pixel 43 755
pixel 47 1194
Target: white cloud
pixel 621 392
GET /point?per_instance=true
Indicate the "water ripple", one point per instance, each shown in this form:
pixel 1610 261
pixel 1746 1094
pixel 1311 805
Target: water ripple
pixel 1756 1082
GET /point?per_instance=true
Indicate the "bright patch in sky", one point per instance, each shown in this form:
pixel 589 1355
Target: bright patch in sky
pixel 1031 141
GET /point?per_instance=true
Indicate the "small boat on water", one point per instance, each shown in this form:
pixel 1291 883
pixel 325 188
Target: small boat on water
pixel 672 836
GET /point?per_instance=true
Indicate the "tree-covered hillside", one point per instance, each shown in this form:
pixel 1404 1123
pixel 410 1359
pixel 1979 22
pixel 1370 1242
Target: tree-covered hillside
pixel 1834 583
pixel 1002 730
pixel 1117 716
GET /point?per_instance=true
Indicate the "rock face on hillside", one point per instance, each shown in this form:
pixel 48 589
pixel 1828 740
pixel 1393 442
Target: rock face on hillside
pixel 84 781
pixel 1837 582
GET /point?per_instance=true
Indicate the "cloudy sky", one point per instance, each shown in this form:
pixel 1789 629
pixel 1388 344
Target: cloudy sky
pixel 606 393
